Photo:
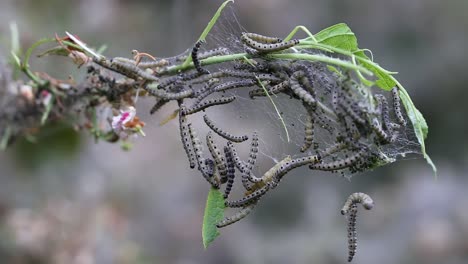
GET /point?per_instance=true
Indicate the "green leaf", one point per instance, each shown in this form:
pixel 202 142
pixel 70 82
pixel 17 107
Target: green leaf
pixel 339 36
pixel 214 213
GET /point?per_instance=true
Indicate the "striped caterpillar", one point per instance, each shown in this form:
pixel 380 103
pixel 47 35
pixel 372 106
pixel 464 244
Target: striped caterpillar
pixel 236 217
pixel 226 135
pixel 208 103
pixel 396 106
pixel 186 140
pixel 267 47
pixel 230 171
pixel 202 167
pixel 131 71
pixel 219 159
pixel 297 81
pixel 350 209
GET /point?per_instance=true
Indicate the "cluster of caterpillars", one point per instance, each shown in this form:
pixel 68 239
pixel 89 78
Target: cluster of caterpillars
pixel 356 121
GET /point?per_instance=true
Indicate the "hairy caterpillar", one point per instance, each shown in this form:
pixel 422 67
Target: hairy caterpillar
pixel 250 198
pixel 356 198
pixel 296 80
pixel 238 216
pixel 188 92
pixel 159 103
pixel 131 71
pixel 200 159
pixel 186 140
pixel 246 173
pixel 341 164
pixel 231 171
pixel 309 132
pixel 218 157
pixel 237 161
pixel 234 84
pixel 262 38
pixel 207 77
pixel 196 61
pixel 383 136
pixel 396 106
pixel 278 88
pixel 352 233
pixel 203 105
pixel 350 209
pixel 262 47
pixel 383 106
pixel 206 54
pixel 223 133
pixel 205 91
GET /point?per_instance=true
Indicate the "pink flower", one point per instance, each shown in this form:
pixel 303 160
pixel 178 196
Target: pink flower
pixel 126 115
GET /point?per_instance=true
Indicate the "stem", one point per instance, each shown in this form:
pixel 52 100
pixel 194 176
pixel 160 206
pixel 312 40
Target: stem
pixel 321 58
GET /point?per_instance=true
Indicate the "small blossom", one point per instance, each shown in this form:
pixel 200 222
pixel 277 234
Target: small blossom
pixel 127 123
pixel 119 122
pixel 45 97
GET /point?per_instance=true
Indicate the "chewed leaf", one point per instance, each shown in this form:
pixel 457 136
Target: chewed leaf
pixel 214 213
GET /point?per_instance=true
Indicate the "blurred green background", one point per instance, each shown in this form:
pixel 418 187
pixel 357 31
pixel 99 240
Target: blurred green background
pixel 69 200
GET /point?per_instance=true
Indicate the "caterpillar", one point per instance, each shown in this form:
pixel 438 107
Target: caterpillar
pixel 186 140
pixel 356 198
pixel 262 38
pixel 297 88
pixel 294 163
pixel 159 103
pixel 250 75
pixel 323 121
pixel 352 233
pixel 350 209
pixel 207 77
pixel 262 47
pixel 206 54
pixel 234 84
pixel 309 132
pixel 231 171
pixel 278 88
pixel 131 71
pixel 246 173
pixel 396 106
pixel 196 61
pixel 167 81
pixel 238 216
pixel 237 161
pixel 352 113
pixel 203 105
pixel 188 92
pixel 200 159
pixel 205 91
pixel 383 136
pixel 248 199
pixel 223 133
pixel 340 164
pixel 383 106
pixel 154 64
pixel 219 159
pixel 210 167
